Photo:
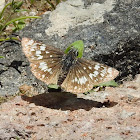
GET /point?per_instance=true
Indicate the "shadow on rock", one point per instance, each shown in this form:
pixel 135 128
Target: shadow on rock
pixel 65 101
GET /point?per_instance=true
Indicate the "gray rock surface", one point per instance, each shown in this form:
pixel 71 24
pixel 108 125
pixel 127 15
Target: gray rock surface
pixel 109 29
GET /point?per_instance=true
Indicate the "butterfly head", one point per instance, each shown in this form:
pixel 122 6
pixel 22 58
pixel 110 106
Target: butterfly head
pixel 70 58
pixel 78 47
pixel 73 53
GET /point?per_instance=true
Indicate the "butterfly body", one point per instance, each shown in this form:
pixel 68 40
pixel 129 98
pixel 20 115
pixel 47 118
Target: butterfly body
pixel 76 75
pixel 68 60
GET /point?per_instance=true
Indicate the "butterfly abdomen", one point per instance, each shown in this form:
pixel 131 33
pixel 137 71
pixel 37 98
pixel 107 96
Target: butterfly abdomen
pixel 62 77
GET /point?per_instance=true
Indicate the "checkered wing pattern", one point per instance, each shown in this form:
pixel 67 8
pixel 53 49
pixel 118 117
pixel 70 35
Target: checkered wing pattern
pixel 84 74
pixel 45 61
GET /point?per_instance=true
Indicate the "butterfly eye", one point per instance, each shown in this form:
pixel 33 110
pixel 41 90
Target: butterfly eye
pixel 77 53
pixel 74 52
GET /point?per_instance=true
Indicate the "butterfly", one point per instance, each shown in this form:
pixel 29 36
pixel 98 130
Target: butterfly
pixel 72 74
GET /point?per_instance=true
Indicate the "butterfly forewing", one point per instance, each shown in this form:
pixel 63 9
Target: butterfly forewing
pixel 45 61
pixel 85 74
pixel 36 51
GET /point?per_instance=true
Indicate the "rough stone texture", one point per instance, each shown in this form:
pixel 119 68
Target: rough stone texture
pixel 110 37
pixel 112 114
pixel 14 70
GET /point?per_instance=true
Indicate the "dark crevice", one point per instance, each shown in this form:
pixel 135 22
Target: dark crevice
pixel 15 65
pixel 1 64
pixel 1 85
pixel 22 134
pixel 2 71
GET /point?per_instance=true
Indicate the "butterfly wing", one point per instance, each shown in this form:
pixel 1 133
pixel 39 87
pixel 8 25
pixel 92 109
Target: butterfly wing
pixel 84 74
pixel 45 61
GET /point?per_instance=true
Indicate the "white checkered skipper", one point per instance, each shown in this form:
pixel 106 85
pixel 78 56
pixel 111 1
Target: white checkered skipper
pixel 75 75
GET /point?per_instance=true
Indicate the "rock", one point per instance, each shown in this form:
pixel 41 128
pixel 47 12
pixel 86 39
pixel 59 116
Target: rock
pixel 109 29
pixel 9 131
pixel 114 138
pixel 125 114
pixel 14 70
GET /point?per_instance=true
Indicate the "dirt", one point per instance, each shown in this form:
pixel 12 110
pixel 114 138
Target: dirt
pixel 112 114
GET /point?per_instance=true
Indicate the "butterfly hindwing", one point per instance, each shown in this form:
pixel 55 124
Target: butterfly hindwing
pixel 85 74
pixel 77 81
pixel 45 61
